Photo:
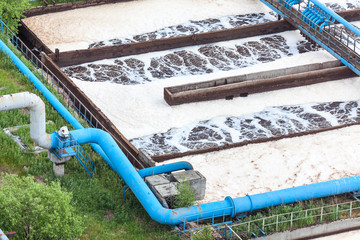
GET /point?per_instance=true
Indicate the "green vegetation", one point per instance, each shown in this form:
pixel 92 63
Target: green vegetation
pixel 40 2
pixel 37 211
pixel 203 234
pixel 186 196
pixel 12 10
pixel 99 200
pixel 303 214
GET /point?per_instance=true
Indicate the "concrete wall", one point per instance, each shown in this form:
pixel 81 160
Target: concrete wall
pixel 243 85
pixel 318 230
pixel 68 6
pixel 88 55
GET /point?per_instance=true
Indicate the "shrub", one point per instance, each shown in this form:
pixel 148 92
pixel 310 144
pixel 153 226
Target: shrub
pixel 37 211
pixel 203 234
pixel 186 196
pixel 11 12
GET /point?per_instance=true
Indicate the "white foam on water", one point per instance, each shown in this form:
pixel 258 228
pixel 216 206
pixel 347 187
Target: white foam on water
pixel 69 30
pixel 275 47
pixel 154 115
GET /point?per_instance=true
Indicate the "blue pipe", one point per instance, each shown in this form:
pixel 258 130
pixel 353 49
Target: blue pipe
pixel 308 12
pixel 337 17
pixel 310 16
pixel 313 16
pixel 227 207
pixel 47 94
pixel 325 23
pixel 305 13
pixel 183 165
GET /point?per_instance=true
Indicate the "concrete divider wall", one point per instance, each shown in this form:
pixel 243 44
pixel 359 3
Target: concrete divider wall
pixel 89 55
pixel 243 85
pixel 320 230
pixel 165 157
pixel 68 6
pixel 255 76
pixel 25 33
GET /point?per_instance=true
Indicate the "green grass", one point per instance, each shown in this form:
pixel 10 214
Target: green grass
pixel 40 2
pixel 100 199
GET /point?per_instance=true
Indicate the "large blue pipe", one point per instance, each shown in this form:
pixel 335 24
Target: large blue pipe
pixel 227 207
pixel 167 168
pixel 47 94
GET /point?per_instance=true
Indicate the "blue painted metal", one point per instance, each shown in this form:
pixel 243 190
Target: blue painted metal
pixel 85 160
pixel 317 21
pixel 68 147
pixel 183 165
pixel 227 207
pixel 47 94
pixel 337 17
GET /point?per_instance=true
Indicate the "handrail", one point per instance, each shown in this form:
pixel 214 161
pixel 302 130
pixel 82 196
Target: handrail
pixel 288 218
pixel 59 86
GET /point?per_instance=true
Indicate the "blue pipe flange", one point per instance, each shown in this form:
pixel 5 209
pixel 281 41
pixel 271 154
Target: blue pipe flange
pixel 251 203
pixel 230 200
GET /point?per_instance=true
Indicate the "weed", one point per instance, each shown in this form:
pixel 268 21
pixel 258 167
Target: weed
pixel 186 196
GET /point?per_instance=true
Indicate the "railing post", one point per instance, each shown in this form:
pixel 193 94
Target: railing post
pixel 277 222
pixel 337 211
pixel 350 208
pixel 291 220
pixel 263 225
pixel 321 214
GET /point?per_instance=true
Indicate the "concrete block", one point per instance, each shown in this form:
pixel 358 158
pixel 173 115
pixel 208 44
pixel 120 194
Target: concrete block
pixel 196 180
pixel 146 158
pixel 59 169
pixel 157 180
pixel 58 164
pixel 163 188
pixel 167 190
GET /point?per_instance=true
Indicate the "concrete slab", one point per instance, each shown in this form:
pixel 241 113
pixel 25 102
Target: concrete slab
pixel 196 180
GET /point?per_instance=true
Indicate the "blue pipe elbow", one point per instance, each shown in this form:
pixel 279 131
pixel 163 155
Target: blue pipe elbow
pixel 305 13
pixel 47 94
pixel 167 168
pixel 323 25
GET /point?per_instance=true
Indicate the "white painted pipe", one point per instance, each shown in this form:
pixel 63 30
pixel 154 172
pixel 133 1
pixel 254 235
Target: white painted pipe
pixel 3 236
pixel 37 114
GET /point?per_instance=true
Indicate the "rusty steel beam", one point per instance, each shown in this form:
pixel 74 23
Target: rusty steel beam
pixel 165 157
pixel 228 88
pixel 76 57
pixel 67 6
pixel 30 36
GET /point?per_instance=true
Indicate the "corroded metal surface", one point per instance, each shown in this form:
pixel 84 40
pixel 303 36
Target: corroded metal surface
pixel 89 55
pixel 223 89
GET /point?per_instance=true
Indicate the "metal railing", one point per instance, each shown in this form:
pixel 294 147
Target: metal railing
pixel 330 34
pixel 285 221
pixel 70 98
